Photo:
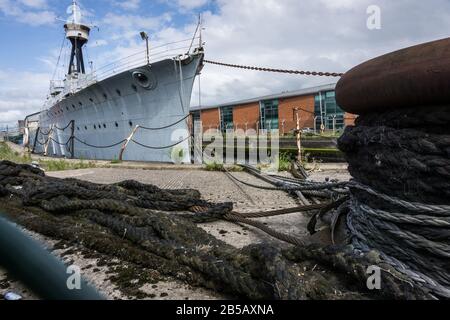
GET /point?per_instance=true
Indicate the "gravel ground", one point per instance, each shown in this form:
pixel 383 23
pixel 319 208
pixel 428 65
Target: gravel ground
pixel 214 187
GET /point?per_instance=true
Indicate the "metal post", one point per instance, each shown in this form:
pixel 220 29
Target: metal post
pixel 321 113
pixel 144 36
pixel 334 124
pixel 50 137
pixel 36 139
pixel 315 124
pixel 7 133
pixel 127 142
pixel 72 139
pixel 299 135
pixel 148 50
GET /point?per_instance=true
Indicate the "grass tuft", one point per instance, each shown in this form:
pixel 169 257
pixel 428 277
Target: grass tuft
pixel 6 153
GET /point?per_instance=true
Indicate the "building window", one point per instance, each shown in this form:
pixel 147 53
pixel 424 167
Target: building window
pixel 269 115
pixel 196 116
pixel 226 118
pixel 327 111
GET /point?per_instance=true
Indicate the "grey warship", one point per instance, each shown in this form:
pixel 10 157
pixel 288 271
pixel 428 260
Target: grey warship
pixel 135 109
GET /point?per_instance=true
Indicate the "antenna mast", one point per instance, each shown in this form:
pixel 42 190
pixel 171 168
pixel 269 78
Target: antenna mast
pixel 78 34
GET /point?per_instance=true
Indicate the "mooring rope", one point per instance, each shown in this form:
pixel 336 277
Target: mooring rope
pixel 259 225
pixel 120 142
pixel 400 198
pixel 59 143
pixel 62 129
pixel 163 147
pixel 314 187
pixel 165 127
pixel 100 147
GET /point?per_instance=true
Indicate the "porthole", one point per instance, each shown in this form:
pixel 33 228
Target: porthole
pixel 91 100
pixel 99 126
pixel 130 123
pixel 134 87
pixel 95 127
pixel 104 126
pixel 78 128
pixel 118 92
pixel 105 96
pixel 80 103
pixel 117 125
pixel 144 79
pixel 85 127
pixel 73 106
pixel 67 108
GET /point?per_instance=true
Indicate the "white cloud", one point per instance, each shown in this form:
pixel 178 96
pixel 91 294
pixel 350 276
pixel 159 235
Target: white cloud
pixel 133 22
pixel 34 3
pixel 28 12
pixel 191 4
pixel 128 4
pixel 185 6
pixel 21 93
pixel 325 35
pixel 335 4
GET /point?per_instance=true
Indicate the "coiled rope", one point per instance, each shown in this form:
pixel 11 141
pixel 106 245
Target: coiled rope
pixel 400 198
pixel 131 221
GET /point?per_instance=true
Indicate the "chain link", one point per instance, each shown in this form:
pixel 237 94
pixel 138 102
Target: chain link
pixel 307 73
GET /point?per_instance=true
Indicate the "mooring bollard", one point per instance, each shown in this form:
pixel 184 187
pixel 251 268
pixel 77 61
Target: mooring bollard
pixel 398 157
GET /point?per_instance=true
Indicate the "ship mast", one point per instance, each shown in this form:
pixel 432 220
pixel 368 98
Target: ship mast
pixel 78 34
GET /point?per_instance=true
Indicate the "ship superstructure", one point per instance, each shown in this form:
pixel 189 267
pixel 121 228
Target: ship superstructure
pixel 136 108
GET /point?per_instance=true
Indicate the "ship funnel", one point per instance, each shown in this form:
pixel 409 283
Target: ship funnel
pixel 78 34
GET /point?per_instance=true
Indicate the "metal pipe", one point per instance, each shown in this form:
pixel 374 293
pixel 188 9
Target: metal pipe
pixel 36 268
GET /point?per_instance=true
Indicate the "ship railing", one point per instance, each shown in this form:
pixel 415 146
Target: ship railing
pixel 56 85
pixel 135 60
pixel 158 53
pixel 71 87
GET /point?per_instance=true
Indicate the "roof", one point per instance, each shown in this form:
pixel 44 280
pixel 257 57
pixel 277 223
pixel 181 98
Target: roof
pixel 286 94
pixel 36 114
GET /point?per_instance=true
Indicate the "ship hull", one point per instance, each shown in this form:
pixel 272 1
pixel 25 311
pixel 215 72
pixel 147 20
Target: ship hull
pixel 107 112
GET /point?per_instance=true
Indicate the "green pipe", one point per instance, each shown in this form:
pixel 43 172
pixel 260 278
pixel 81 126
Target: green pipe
pixel 36 268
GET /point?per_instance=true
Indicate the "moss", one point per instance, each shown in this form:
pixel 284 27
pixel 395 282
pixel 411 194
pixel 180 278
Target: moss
pixel 214 167
pixel 62 165
pixel 130 279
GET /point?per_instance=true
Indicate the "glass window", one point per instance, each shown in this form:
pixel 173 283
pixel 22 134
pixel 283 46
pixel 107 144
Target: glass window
pixel 330 94
pixel 226 118
pixel 326 108
pixel 196 116
pixel 269 115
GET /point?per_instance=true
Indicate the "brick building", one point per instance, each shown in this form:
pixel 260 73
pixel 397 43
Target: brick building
pixel 317 106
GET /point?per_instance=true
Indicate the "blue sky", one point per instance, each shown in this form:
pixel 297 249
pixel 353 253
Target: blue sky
pixel 318 35
pixel 44 35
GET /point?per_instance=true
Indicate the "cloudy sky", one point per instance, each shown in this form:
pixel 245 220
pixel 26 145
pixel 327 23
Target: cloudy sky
pixel 319 35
